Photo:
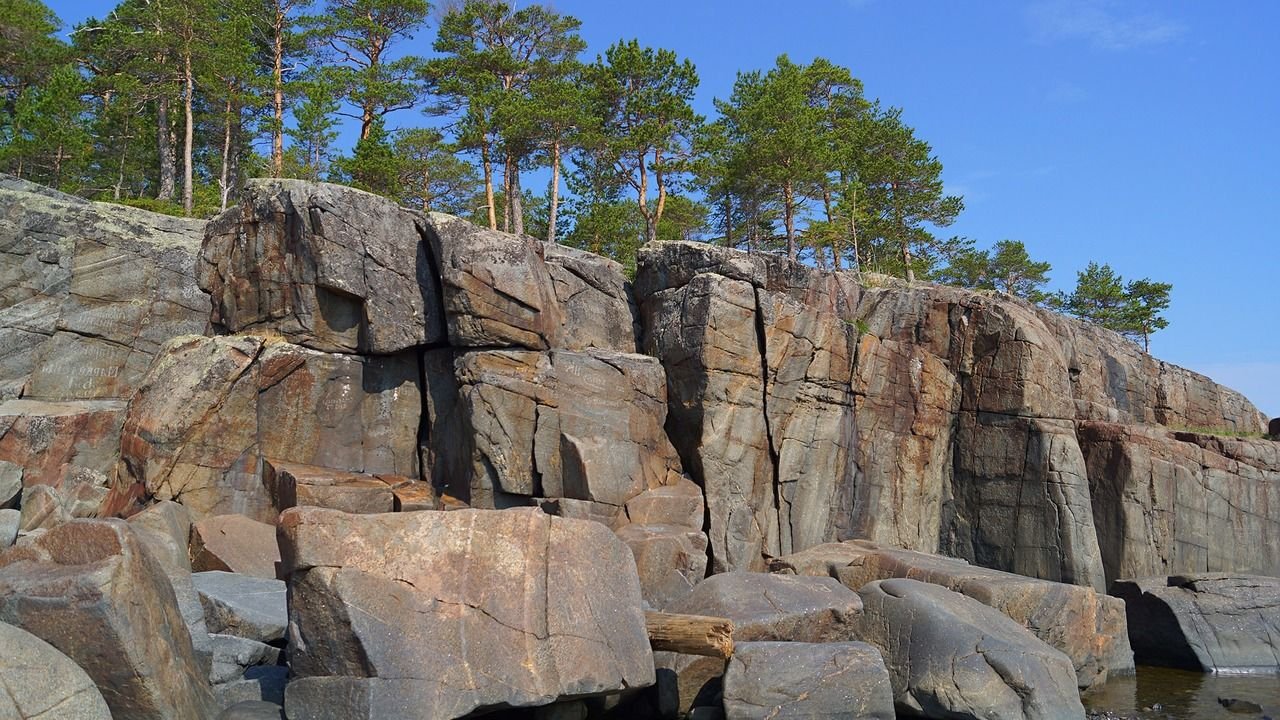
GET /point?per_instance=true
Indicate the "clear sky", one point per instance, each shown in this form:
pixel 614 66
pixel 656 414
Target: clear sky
pixel 1139 133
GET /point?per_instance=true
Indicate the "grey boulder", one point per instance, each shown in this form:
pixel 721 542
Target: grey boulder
pixel 784 680
pixel 41 683
pixel 950 656
pixel 243 605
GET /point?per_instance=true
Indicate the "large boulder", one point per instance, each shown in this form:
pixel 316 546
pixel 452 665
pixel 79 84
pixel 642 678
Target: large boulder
pixel 584 426
pixel 41 683
pixel 325 266
pixel 89 292
pixel 442 613
pixel 790 681
pixel 242 605
pixel 293 484
pixel 211 409
pixel 1209 622
pixel 510 291
pixel 1088 627
pixel 234 543
pixel 670 559
pixel 91 590
pixel 951 656
pixel 1169 503
pixel 165 529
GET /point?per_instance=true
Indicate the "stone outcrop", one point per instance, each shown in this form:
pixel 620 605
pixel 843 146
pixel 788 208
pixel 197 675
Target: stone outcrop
pixel 1086 626
pixel 292 484
pixel 325 266
pixel 89 292
pixel 1168 503
pixel 951 656
pixel 758 358
pixel 59 443
pixel 211 409
pixel 89 589
pixel 461 610
pixel 501 290
pixel 789 681
pixel 1208 622
pixel 41 683
pixel 234 543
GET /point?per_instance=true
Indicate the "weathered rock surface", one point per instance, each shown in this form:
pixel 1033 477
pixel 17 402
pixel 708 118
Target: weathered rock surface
pixel 326 266
pixel 292 484
pixel 90 589
pixel 211 409
pixel 234 543
pixel 508 291
pixel 758 359
pixel 584 426
pixel 89 292
pixel 241 605
pixel 252 710
pixel 779 681
pixel 232 655
pixel 9 520
pixel 951 656
pixel 1087 627
pixel 670 560
pixel 787 608
pixel 1206 622
pixel 165 529
pixel 54 442
pixel 41 683
pixel 458 611
pixel 1168 503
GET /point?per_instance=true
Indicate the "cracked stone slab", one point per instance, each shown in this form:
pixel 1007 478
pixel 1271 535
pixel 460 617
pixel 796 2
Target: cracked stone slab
pixel 242 605
pixel 949 655
pixel 460 610
pixel 777 607
pixel 816 681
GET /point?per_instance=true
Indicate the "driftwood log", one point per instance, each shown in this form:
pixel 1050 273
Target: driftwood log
pixel 690 634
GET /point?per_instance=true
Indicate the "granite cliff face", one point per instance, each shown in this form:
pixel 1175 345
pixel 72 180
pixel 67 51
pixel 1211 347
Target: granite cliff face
pixel 320 346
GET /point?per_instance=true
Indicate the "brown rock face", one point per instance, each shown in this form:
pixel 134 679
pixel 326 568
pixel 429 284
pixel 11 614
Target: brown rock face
pixel 1169 503
pixel 90 590
pixel 56 442
pixel 509 291
pixel 328 267
pixel 478 608
pixel 292 484
pixel 1087 627
pixel 89 292
pixel 212 408
pixel 584 426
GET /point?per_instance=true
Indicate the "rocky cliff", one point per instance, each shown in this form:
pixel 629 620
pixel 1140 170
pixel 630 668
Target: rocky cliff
pixel 317 345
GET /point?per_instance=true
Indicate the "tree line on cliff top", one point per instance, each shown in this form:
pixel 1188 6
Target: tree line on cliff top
pixel 169 105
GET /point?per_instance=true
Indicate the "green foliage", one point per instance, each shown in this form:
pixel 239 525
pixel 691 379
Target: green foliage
pixel 1102 297
pixel 1006 267
pixel 47 140
pixel 431 177
pixel 314 132
pixel 373 166
pixel 28 49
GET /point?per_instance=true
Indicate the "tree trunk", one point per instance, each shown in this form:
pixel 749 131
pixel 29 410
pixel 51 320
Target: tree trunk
pixel 662 193
pixel 515 199
pixel 788 215
pixel 488 184
pixel 728 220
pixel 188 138
pixel 690 634
pixel 164 148
pixel 506 194
pixel 124 154
pixel 277 78
pixel 642 197
pixel 224 178
pixel 555 192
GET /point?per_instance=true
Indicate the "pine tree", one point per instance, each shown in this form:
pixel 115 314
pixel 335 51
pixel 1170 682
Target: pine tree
pixel 1102 297
pixel 373 166
pixel 47 140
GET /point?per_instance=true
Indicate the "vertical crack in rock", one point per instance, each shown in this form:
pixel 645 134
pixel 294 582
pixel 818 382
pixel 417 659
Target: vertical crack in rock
pixel 774 460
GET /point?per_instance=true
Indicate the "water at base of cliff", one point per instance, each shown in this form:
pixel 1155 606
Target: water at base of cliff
pixel 1164 694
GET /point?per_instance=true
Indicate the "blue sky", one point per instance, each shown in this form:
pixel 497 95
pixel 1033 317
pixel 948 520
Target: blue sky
pixel 1141 133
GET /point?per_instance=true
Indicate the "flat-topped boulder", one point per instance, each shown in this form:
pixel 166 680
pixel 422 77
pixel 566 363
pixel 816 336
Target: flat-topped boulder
pixel 1212 622
pixel 89 292
pixel 1088 627
pixel 52 442
pixel 459 610
pixel 292 484
pixel 325 266
pixel 235 543
pixel 90 589
pixel 950 656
